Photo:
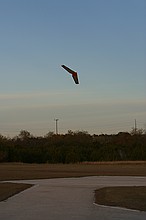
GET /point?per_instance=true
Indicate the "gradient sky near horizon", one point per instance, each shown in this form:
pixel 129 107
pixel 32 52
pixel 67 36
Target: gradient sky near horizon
pixel 103 40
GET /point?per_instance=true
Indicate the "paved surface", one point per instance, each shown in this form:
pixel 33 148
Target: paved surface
pixel 68 199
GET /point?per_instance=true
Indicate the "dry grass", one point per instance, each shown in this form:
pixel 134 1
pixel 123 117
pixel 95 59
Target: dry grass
pixel 133 197
pixel 20 171
pixel 9 189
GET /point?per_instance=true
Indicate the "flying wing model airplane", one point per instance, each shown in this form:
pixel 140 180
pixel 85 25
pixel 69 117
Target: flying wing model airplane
pixel 74 74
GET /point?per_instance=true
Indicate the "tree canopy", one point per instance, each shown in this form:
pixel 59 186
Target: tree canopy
pixel 73 147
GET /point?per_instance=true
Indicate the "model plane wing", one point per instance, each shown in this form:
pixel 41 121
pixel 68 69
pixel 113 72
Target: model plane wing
pixel 74 74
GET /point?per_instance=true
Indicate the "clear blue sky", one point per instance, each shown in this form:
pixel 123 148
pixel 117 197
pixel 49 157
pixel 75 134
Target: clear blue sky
pixel 103 40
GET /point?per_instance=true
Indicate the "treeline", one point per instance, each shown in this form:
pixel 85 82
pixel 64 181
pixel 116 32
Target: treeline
pixel 73 147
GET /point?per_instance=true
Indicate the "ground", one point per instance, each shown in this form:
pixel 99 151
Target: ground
pixel 115 196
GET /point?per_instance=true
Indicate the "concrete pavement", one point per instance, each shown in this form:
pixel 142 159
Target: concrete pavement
pixel 68 199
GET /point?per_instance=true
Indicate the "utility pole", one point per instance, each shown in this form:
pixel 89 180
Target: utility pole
pixel 56 125
pixel 135 126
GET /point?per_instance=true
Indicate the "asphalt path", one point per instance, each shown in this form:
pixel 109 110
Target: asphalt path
pixel 68 199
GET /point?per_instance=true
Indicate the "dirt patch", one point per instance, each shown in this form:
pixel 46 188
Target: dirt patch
pixel 133 197
pixel 9 189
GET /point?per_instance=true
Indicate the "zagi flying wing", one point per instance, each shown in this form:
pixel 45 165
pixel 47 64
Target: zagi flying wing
pixel 74 74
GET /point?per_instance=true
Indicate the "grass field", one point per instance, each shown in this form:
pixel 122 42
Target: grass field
pixel 10 189
pixel 133 197
pixel 20 171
